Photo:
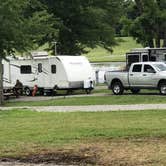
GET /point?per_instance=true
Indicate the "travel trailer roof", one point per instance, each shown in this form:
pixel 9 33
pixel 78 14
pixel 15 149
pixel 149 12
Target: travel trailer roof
pixel 146 49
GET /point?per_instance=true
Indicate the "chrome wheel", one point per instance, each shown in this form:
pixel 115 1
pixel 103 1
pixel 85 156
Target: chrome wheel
pixel 163 88
pixel 117 88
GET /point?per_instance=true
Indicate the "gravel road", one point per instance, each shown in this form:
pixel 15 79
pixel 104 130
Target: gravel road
pixel 91 108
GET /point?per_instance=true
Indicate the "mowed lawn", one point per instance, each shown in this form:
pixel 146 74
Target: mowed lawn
pixel 146 97
pixel 26 132
pixel 125 44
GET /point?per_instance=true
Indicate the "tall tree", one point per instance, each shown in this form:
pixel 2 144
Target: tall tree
pixel 149 26
pixel 84 23
pixel 20 29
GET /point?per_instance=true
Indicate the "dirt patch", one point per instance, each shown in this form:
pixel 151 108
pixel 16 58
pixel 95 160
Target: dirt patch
pixel 126 152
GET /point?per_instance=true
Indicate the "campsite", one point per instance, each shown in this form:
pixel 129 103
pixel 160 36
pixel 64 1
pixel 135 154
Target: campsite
pixel 59 105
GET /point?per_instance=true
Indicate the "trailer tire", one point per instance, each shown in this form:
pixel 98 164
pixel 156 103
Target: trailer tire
pixel 162 88
pixel 27 91
pixel 88 91
pixel 135 90
pixel 117 88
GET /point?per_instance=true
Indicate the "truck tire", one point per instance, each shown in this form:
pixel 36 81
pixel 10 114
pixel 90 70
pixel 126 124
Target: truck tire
pixel 27 91
pixel 135 90
pixel 117 88
pixel 162 88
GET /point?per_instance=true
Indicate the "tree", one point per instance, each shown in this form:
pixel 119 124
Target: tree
pixel 84 23
pixel 23 23
pixel 148 27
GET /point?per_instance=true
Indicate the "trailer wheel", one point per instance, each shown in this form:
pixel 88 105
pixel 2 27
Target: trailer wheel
pixel 27 91
pixel 88 91
pixel 162 88
pixel 69 92
pixel 135 90
pixel 117 88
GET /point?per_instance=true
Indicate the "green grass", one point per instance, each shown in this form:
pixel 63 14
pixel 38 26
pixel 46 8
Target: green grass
pixel 127 98
pixel 125 44
pixel 24 132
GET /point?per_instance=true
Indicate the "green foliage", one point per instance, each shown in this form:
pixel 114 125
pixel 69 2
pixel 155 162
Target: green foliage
pixel 20 29
pixel 24 132
pixel 23 23
pixel 149 21
pixel 84 23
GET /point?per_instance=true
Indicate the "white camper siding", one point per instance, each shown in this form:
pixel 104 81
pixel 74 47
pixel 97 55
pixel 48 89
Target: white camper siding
pixel 26 78
pixel 78 70
pixel 59 78
pixel 6 74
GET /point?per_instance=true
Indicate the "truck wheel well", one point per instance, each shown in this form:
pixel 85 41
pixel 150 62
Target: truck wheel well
pixel 115 80
pixel 161 81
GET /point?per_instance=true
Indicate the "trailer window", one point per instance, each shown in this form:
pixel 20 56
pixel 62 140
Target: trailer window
pixel 39 67
pixel 144 58
pixel 137 68
pixel 26 69
pixel 53 69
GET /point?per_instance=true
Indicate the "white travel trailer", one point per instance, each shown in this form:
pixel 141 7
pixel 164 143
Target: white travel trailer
pixel 49 73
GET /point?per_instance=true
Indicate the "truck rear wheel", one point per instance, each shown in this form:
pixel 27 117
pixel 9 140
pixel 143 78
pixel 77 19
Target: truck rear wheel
pixel 117 88
pixel 135 90
pixel 162 88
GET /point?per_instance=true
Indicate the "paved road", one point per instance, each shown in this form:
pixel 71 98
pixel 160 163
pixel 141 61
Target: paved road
pixel 90 108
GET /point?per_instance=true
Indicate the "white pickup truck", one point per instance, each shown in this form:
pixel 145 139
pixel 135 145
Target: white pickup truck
pixel 142 75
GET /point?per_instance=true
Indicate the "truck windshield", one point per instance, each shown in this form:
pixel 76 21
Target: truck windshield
pixel 160 67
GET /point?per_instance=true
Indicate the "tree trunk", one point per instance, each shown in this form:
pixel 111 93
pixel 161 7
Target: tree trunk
pixel 157 42
pixel 151 43
pixel 1 82
pixel 164 43
pixel 164 40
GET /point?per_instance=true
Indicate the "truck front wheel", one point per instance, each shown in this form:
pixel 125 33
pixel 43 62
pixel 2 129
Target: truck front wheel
pixel 117 88
pixel 162 88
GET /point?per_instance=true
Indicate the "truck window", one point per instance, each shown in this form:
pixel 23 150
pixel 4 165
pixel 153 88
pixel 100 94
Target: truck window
pixel 26 69
pixel 53 69
pixel 137 68
pixel 148 69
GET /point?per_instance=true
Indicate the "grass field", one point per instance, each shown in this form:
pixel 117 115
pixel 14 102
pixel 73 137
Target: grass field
pixel 25 134
pixel 146 97
pixel 125 44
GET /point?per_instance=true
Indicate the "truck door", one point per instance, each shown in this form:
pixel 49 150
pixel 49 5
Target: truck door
pixel 135 75
pixel 149 76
